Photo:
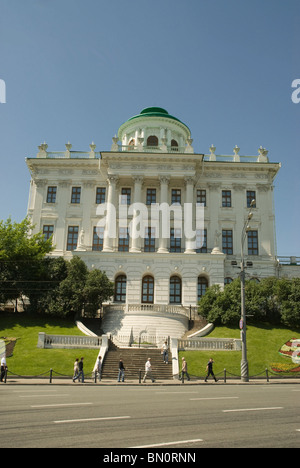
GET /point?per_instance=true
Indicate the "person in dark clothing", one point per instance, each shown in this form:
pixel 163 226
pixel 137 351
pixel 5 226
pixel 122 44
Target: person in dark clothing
pixel 209 370
pixel 121 371
pixel 81 373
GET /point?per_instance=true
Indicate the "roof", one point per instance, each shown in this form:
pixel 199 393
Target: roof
pixel 156 112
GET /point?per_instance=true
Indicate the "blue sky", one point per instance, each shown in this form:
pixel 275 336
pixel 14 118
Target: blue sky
pixel 76 70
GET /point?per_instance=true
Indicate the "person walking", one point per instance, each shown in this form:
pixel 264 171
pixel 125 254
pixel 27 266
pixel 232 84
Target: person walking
pixel 184 370
pixel 165 352
pixel 148 371
pixel 76 368
pixel 121 371
pixel 209 370
pixel 3 368
pixel 99 368
pixel 80 373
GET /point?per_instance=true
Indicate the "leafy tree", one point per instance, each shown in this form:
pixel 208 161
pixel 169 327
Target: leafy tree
pixel 291 307
pixel 21 256
pixel 97 289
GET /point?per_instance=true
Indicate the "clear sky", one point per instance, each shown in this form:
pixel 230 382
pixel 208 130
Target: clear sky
pixel 76 70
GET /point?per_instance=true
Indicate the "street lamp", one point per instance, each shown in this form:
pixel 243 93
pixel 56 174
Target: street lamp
pixel 243 325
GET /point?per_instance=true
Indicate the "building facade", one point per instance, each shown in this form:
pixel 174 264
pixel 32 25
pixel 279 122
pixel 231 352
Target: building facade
pixel 163 222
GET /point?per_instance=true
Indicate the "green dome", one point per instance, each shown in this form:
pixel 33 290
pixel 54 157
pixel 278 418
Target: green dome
pixel 155 112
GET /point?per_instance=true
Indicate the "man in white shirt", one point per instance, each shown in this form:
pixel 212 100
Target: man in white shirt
pixel 148 371
pixel 3 368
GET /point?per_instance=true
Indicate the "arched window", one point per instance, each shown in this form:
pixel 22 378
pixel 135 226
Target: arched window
pixel 152 141
pixel 202 286
pixel 120 288
pixel 175 290
pixel 148 290
pixel 174 145
pixel 131 145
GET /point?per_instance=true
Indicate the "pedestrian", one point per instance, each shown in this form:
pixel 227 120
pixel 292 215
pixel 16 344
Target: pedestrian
pixel 165 352
pixel 99 368
pixel 121 371
pixel 3 368
pixel 184 370
pixel 80 373
pixel 209 370
pixel 148 371
pixel 76 368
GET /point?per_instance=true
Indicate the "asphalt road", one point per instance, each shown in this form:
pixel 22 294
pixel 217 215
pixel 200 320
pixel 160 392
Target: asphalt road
pixel 230 416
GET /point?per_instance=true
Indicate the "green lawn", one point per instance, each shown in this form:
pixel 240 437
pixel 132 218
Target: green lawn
pixel 263 344
pixel 27 359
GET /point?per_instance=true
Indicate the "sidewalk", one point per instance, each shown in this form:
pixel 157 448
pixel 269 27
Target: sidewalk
pixel 106 382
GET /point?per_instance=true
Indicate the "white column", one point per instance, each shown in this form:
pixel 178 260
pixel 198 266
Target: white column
pixel 189 211
pixel 164 198
pixel 136 241
pixel 110 227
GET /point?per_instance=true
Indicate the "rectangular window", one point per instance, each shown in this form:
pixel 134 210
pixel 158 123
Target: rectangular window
pixel 227 242
pixel 125 196
pixel 98 235
pixel 201 241
pixel 100 195
pixel 72 238
pixel 149 242
pixel 252 243
pixel 176 196
pixel 76 193
pixel 226 198
pixel 151 196
pixel 51 194
pixel 201 197
pixel 48 231
pixel 175 240
pixel 123 240
pixel 251 195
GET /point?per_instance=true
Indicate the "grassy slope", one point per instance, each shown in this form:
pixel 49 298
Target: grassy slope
pixel 263 344
pixel 27 359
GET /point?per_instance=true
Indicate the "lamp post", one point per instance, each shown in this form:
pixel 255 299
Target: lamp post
pixel 243 324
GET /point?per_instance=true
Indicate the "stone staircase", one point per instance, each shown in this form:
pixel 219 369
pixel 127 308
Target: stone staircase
pixel 134 360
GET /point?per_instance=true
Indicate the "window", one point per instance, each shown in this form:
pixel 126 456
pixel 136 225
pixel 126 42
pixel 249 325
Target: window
pixel 201 197
pixel 252 243
pixel 176 196
pixel 76 193
pixel 126 196
pixel 175 290
pixel 152 141
pixel 148 290
pixel 202 286
pixel 98 235
pixel 48 231
pixel 100 195
pixel 120 288
pixel 201 241
pixel 131 145
pixel 151 196
pixel 226 198
pixel 72 237
pixel 227 280
pixel 123 240
pixel 51 194
pixel 251 195
pixel 174 145
pixel 149 241
pixel 227 242
pixel 175 240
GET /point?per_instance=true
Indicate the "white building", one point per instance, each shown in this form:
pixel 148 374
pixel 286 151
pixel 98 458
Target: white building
pixel 152 161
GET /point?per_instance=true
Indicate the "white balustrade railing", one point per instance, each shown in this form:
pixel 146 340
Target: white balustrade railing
pixel 210 344
pixel 68 341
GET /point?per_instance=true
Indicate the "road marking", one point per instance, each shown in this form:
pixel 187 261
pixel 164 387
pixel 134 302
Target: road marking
pixel 59 405
pixel 65 421
pixel 44 395
pixel 252 409
pixel 176 393
pixel 216 398
pixel 165 444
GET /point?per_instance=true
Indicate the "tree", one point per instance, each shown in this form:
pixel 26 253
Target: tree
pixel 291 306
pixel 97 289
pixel 21 256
